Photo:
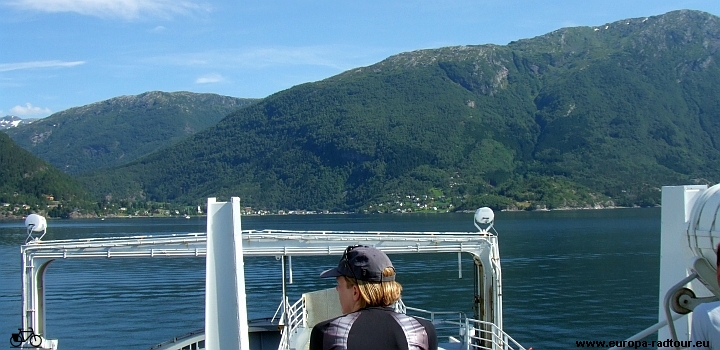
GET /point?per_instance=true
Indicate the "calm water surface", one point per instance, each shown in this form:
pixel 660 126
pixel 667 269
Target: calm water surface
pixel 567 276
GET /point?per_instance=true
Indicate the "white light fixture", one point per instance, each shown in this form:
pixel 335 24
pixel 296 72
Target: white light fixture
pixel 35 223
pixel 484 216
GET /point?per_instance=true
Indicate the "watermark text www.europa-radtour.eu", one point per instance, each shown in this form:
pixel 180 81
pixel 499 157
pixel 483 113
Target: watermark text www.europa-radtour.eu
pixel 630 344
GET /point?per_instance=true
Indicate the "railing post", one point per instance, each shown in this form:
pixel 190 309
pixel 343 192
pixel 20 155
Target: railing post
pixel 467 334
pixel 304 313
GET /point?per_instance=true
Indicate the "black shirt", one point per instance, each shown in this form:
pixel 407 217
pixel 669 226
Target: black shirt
pixel 374 328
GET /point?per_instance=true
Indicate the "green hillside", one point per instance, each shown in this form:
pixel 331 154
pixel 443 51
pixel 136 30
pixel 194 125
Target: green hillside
pixel 121 129
pixel 578 117
pixel 29 181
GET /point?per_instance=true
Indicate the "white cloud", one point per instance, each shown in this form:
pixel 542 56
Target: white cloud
pixel 126 9
pixel 209 78
pixel 29 110
pixel 5 67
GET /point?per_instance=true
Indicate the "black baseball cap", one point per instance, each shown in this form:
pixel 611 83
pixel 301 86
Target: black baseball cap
pixel 363 263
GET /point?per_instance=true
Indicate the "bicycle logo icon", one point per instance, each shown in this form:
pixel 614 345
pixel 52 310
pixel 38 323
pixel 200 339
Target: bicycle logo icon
pixel 17 339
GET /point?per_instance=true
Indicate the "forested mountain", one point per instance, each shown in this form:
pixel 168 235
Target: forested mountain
pixel 586 116
pixel 121 129
pixel 25 179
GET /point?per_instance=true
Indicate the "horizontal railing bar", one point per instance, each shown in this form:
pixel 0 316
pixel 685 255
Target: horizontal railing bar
pixel 247 252
pixel 310 243
pixel 280 234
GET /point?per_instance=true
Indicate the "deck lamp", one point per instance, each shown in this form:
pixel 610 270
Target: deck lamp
pixel 35 223
pixel 484 216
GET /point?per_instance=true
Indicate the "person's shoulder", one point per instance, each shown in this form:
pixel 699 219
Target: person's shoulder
pixel 322 324
pixel 425 322
pixel 328 321
pixel 430 331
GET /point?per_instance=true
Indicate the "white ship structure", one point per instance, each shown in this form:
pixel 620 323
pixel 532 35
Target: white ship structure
pixel 690 231
pixel 225 245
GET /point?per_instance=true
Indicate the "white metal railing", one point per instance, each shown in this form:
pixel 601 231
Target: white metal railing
pixel 37 254
pixel 487 335
pixel 472 333
pixel 295 316
pixel 260 243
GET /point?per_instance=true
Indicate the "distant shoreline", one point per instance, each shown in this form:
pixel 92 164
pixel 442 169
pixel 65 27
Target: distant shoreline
pixel 75 217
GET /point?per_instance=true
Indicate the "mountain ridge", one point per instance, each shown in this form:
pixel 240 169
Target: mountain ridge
pixel 121 129
pixel 570 118
pixel 13 121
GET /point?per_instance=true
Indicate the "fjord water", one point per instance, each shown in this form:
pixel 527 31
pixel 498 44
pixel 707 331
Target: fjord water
pixel 567 276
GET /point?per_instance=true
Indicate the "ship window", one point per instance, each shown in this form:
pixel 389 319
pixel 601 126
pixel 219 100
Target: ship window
pixel 193 346
pixel 201 344
pixel 186 347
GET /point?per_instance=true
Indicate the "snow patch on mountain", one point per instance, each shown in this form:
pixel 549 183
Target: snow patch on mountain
pixel 11 121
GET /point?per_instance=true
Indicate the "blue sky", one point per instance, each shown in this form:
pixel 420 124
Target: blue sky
pixel 58 54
